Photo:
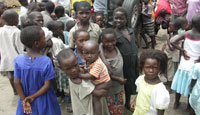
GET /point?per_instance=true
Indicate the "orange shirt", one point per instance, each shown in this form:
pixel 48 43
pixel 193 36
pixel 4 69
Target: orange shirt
pixel 99 70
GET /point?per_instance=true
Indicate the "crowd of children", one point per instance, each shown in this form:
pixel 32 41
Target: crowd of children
pixel 45 50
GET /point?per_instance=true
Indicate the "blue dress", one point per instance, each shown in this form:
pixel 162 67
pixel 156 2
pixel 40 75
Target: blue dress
pixel 32 75
pixel 195 94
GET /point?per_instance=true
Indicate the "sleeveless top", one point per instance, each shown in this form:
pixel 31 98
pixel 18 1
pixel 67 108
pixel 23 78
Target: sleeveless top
pixel 192 48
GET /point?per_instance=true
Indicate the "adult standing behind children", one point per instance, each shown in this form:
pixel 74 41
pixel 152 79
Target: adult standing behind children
pixel 83 12
pixel 10 45
pixel 126 42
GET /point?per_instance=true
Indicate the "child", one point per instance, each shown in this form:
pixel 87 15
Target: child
pixel 176 26
pixel 33 74
pixel 195 87
pixel 114 59
pixel 49 8
pixel 60 14
pixel 148 23
pixel 152 98
pixel 99 19
pixel 191 54
pixel 98 72
pixel 2 9
pixel 126 43
pixel 80 89
pixel 69 25
pixel 10 45
pixel 80 37
pixel 83 12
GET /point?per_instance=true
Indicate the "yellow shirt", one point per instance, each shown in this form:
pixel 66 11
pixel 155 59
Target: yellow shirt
pixel 73 1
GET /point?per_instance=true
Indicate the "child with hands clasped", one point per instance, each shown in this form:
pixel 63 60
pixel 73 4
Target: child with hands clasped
pixel 191 54
pixel 152 98
pixel 33 73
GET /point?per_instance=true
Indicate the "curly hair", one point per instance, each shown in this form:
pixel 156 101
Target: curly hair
pixel 160 56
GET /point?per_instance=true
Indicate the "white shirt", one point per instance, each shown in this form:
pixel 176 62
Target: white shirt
pixel 10 47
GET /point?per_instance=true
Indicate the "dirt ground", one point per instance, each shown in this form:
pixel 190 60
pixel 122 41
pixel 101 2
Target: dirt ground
pixel 8 101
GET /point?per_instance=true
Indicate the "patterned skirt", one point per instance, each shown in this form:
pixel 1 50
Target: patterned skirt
pixel 115 103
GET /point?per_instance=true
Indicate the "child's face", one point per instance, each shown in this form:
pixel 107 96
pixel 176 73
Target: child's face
pixel 70 66
pixel 171 28
pixel 119 19
pixel 38 20
pixel 81 39
pixel 2 9
pixel 84 15
pixel 109 42
pixel 90 54
pixel 42 42
pixel 99 20
pixel 53 16
pixel 151 68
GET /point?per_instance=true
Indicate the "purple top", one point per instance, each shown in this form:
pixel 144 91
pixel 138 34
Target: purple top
pixel 193 8
pixel 178 7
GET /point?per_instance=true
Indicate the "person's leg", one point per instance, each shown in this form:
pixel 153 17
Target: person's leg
pixel 192 111
pixel 177 99
pixel 188 105
pixel 145 40
pixel 153 42
pixel 97 105
pixel 127 102
pixel 11 79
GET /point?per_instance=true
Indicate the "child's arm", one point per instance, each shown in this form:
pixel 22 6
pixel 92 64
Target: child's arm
pixel 174 41
pixel 86 76
pixel 105 85
pixel 192 84
pixel 99 92
pixel 121 80
pixel 133 104
pixel 26 105
pixel 41 91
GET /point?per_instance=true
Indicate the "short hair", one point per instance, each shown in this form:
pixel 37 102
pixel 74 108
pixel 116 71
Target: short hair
pixel 23 2
pixel 30 34
pixel 70 24
pixel 160 56
pixel 50 6
pixel 98 14
pixel 196 21
pixel 10 17
pixel 33 7
pixel 162 13
pixel 64 54
pixel 92 44
pixel 51 25
pixel 76 33
pixel 59 10
pixel 107 31
pixel 178 22
pixel 83 4
pixel 121 9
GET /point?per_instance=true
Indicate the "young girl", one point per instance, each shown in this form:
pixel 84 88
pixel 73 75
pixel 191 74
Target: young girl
pixel 114 59
pixel 128 49
pixel 152 98
pixel 195 88
pixel 33 73
pixel 191 53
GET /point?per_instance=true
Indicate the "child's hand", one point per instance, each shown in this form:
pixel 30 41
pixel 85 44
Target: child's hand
pixel 122 80
pixel 27 107
pixel 185 55
pixel 133 106
pixel 29 99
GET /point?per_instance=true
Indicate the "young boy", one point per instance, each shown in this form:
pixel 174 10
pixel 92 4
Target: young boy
pixel 83 13
pixel 98 71
pixel 60 14
pixel 80 37
pixel 81 90
pixel 10 45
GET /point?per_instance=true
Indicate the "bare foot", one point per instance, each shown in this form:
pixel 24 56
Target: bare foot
pixel 176 105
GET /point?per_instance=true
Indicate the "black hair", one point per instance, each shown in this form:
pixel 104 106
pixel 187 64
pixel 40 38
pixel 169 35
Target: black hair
pixel 23 2
pixel 10 17
pixel 75 6
pixel 33 7
pixel 70 24
pixel 53 26
pixel 64 54
pixel 50 7
pixel 76 33
pixel 107 31
pixel 162 13
pixel 29 20
pixel 61 24
pixel 178 22
pixel 82 4
pixel 121 9
pixel 30 34
pixel 196 21
pixel 160 56
pixel 98 14
pixel 59 10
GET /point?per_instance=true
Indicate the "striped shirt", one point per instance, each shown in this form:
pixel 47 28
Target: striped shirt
pixel 99 70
